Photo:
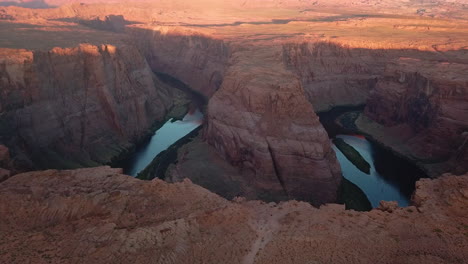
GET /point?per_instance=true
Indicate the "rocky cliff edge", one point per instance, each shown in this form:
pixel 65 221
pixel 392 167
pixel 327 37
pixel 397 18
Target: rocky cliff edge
pixel 101 216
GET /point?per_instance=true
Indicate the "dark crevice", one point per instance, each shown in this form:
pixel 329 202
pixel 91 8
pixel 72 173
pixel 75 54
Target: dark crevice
pixel 275 167
pixel 198 98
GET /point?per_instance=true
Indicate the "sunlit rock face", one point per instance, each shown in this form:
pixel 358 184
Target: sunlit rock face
pixel 111 23
pixel 261 121
pixel 80 106
pixel 99 215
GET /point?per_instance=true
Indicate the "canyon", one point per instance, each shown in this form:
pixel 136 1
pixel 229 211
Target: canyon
pixel 85 84
pixel 52 113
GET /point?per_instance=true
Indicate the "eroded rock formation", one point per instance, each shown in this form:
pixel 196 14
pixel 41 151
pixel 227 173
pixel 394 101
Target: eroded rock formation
pixel 334 75
pixel 192 57
pixel 100 216
pixel 423 105
pixel 81 106
pixel 417 98
pixel 261 121
pixel 111 23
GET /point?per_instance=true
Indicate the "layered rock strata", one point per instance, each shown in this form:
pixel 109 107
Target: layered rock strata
pixel 261 122
pixel 82 106
pixel 190 56
pixel 424 106
pixel 334 75
pixel 417 99
pixel 100 216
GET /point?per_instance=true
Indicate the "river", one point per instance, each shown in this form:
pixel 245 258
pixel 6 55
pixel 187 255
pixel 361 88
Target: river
pixel 164 137
pixel 391 178
pixel 374 185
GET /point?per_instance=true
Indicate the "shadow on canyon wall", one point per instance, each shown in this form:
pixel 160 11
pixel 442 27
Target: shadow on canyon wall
pixel 287 21
pixel 201 62
pixel 71 136
pixel 113 23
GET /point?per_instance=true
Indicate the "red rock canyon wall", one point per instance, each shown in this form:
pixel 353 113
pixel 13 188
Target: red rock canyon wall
pixel 80 106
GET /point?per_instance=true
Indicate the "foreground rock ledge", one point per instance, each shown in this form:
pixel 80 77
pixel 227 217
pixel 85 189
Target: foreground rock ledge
pixel 101 216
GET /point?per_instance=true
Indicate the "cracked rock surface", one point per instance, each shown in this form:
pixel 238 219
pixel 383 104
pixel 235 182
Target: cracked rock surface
pixel 101 216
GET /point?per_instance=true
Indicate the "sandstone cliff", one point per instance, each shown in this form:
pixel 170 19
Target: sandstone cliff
pixel 266 77
pixel 188 55
pixel 417 97
pixel 422 105
pixel 261 121
pixel 334 75
pixel 81 106
pixel 100 216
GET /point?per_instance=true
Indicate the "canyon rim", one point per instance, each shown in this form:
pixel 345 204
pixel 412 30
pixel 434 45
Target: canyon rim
pixel 85 86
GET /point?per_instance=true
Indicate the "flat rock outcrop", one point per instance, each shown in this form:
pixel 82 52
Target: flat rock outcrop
pixel 111 23
pixel 260 120
pixel 82 106
pixel 101 216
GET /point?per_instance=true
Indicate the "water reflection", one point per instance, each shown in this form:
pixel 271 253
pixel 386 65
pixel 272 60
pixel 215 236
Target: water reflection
pixel 376 186
pixel 164 137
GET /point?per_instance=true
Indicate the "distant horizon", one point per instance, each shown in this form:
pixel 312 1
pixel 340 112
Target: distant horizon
pixel 34 4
